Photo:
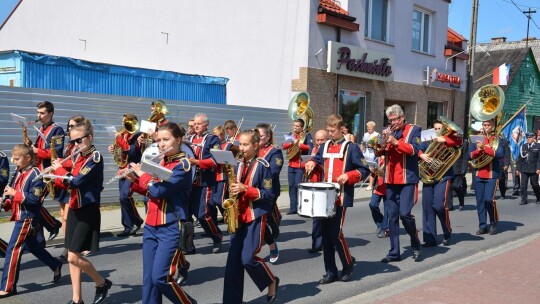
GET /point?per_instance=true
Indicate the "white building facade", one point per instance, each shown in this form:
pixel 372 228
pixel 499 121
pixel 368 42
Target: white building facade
pixel 268 49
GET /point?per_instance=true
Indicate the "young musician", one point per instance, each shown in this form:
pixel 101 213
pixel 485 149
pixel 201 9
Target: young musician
pixel 254 191
pixel 167 209
pixel 42 150
pixel 314 177
pixel 295 172
pixel 274 157
pixel 435 196
pixel 220 192
pixel 205 179
pixel 344 164
pixel 232 130
pixel 401 178
pixel 379 193
pixel 85 182
pixel 131 153
pixel 485 178
pixel 23 198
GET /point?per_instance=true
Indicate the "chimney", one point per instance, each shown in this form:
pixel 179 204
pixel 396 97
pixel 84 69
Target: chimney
pixel 498 39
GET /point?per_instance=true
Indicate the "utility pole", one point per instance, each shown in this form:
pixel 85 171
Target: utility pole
pixel 470 68
pixel 528 13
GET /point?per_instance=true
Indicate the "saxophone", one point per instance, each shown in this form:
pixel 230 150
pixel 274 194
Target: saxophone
pixel 49 182
pixel 26 140
pixel 230 205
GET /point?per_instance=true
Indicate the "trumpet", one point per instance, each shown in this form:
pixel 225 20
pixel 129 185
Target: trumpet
pixel 379 146
pixel 49 169
pixel 129 171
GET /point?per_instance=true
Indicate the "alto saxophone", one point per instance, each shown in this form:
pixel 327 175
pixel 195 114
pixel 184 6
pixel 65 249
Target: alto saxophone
pixel 26 140
pixel 230 205
pixel 49 182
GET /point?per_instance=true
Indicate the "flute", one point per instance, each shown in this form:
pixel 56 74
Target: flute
pixel 125 173
pixel 49 169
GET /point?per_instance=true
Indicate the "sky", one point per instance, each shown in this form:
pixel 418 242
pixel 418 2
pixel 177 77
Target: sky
pixel 496 18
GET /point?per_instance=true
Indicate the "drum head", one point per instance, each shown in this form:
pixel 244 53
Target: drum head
pixel 317 186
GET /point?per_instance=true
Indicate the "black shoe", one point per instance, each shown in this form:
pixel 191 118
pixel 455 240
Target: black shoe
pixel 217 247
pixel 315 250
pixel 192 251
pixel 271 299
pixel 523 203
pixel 493 229
pixel 515 193
pixel 426 245
pixel 503 197
pixel 482 231
pixel 56 277
pixel 135 229
pixel 292 212
pixel 9 294
pixel 416 255
pixel 347 272
pixel 124 233
pixel 101 292
pixel 387 260
pixel 446 240
pixel 327 279
pixel 183 274
pixel 54 232
pixel 73 302
pixel 451 208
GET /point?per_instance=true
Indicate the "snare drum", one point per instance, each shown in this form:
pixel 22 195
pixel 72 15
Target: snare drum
pixel 317 200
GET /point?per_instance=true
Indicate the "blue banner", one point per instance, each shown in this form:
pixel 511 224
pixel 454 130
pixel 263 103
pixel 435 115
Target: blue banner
pixel 515 131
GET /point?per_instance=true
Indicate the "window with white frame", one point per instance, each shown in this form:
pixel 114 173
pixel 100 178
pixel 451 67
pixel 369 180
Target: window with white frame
pixel 421 30
pixel 377 20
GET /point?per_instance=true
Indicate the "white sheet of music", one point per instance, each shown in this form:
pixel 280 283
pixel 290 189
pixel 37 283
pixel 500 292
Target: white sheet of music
pixel 223 157
pixel 427 135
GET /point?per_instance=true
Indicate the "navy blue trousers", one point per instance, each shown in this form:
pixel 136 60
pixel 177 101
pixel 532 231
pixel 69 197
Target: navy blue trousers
pixel 243 249
pixel 130 215
pixel 27 234
pixel 160 259
pixel 49 222
pixel 380 219
pixel 485 192
pixel 435 204
pixel 295 178
pixel 316 234
pixel 401 199
pixel 3 248
pixel 333 240
pixel 200 205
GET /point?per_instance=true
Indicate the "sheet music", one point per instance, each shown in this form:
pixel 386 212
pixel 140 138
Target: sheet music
pixel 475 138
pixel 111 130
pixel 223 157
pixel 427 135
pixel 148 127
pixel 19 119
pixel 289 137
pixel 155 170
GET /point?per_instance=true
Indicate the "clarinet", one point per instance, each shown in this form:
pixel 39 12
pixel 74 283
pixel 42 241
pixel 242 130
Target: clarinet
pixel 10 184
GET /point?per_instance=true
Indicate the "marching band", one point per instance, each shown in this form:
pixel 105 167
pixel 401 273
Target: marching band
pixel 184 181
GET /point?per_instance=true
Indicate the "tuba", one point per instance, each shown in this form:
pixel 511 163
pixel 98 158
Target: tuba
pixel 442 156
pixel 231 214
pixel 299 109
pixel 130 126
pixel 487 103
pixel 159 111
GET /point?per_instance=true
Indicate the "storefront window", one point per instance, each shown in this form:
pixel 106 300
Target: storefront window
pixel 352 108
pixel 435 109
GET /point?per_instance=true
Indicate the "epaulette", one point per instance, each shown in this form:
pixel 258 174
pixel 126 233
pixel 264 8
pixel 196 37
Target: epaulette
pixel 96 157
pixel 2 154
pixel 263 161
pixel 186 165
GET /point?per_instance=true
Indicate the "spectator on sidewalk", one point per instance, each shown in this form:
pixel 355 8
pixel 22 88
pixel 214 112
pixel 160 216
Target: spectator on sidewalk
pixel 528 167
pixel 366 146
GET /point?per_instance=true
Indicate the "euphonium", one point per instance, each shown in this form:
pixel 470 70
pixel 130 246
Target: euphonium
pixel 295 148
pixel 50 183
pixel 442 156
pixel 130 126
pixel 231 204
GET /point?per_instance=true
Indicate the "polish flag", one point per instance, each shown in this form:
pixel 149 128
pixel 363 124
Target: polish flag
pixel 501 74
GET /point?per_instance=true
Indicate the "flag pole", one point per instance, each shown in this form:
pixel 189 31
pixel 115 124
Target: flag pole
pixel 518 111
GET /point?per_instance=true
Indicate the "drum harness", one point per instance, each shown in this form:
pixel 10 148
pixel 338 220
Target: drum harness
pixel 331 157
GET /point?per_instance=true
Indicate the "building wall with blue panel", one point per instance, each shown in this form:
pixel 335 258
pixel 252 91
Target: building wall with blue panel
pixel 22 69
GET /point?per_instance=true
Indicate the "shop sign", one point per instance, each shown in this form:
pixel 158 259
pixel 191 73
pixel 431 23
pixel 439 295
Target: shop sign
pixel 354 61
pixel 444 79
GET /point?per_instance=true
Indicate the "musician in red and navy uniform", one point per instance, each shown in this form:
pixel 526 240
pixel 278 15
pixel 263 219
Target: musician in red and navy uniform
pixel 295 172
pixel 255 198
pixel 274 157
pixel 4 179
pixel 436 195
pixel 167 209
pixel 131 153
pixel 221 192
pixel 84 181
pixel 230 127
pixel 314 177
pixel 200 199
pixel 42 149
pixel 379 193
pixel 485 178
pixel 344 164
pixel 24 198
pixel 401 178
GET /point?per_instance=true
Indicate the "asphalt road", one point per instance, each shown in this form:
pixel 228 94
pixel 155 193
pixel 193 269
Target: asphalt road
pixel 120 260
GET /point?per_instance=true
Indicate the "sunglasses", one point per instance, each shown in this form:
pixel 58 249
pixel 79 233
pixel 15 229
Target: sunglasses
pixel 77 141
